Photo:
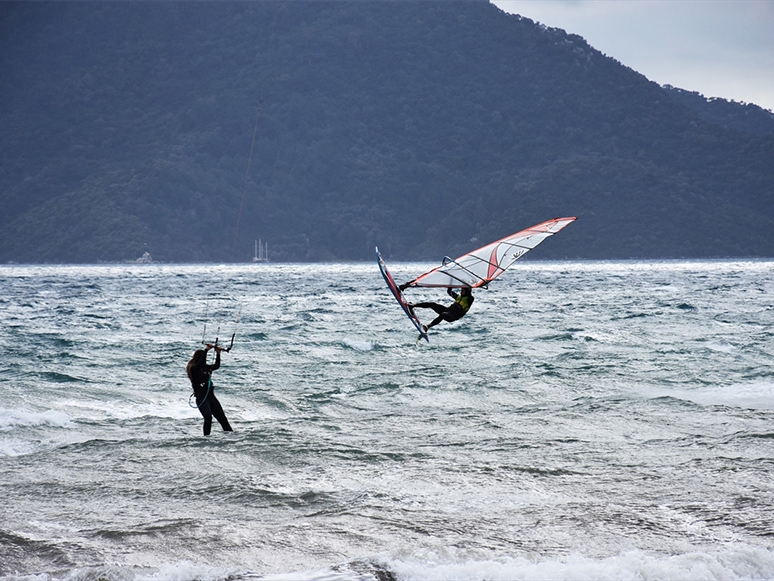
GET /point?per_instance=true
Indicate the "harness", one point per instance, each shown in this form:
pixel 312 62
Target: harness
pixel 197 405
pixel 464 302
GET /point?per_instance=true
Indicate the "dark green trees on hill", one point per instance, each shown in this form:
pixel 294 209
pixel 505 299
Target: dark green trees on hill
pixel 422 127
pixel 743 117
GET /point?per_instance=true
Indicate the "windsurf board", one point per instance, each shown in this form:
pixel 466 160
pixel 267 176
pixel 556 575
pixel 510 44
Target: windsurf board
pixel 396 292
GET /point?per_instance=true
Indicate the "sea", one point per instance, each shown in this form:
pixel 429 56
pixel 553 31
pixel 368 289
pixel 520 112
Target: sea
pixel 585 420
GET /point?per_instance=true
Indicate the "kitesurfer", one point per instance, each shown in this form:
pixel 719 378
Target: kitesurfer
pixel 200 374
pixel 462 302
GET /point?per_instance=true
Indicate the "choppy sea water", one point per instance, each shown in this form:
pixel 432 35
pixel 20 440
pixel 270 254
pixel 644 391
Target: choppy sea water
pixel 586 420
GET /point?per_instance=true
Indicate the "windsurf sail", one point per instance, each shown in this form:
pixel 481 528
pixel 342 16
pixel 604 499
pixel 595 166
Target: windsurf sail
pixel 480 267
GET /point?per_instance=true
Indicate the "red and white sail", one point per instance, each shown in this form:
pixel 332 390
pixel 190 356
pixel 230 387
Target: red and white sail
pixel 480 267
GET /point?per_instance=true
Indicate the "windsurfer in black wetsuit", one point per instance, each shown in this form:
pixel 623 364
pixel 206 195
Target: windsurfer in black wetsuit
pixel 453 312
pixel 200 374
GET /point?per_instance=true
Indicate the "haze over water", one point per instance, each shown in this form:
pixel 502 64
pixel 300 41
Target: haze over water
pixel 586 420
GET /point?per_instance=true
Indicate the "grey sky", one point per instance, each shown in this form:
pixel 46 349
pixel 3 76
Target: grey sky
pixel 719 48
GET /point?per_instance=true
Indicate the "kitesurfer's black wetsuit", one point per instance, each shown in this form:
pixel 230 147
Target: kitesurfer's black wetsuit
pixel 453 312
pixel 208 404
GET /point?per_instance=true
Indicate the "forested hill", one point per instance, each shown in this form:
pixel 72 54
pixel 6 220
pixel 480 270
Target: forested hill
pixel 744 117
pixel 422 127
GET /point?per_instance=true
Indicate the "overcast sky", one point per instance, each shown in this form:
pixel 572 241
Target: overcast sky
pixel 719 48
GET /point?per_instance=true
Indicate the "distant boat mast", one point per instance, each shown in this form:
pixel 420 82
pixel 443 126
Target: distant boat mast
pixel 261 251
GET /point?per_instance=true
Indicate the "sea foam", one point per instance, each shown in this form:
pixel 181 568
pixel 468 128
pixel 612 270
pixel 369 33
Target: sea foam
pixel 27 418
pixel 738 562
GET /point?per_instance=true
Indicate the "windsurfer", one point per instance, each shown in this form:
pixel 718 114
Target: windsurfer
pixel 462 302
pixel 200 374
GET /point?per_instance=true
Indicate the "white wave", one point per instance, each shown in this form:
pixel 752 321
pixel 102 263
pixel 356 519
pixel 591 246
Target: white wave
pixel 15 447
pixel 27 418
pixel 721 347
pixel 734 563
pixel 96 410
pixel 359 344
pixel 321 575
pixel 740 562
pixel 184 571
pixel 757 395
pixel 180 571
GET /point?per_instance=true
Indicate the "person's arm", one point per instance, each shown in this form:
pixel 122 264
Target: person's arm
pixel 451 293
pixel 216 365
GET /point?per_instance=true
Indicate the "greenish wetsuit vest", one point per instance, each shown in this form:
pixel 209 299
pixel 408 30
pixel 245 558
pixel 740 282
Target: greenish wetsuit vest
pixel 464 301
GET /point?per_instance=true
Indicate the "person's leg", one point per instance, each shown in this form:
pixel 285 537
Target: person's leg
pixel 204 409
pixel 439 309
pixel 220 415
pixel 448 314
pixel 435 321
